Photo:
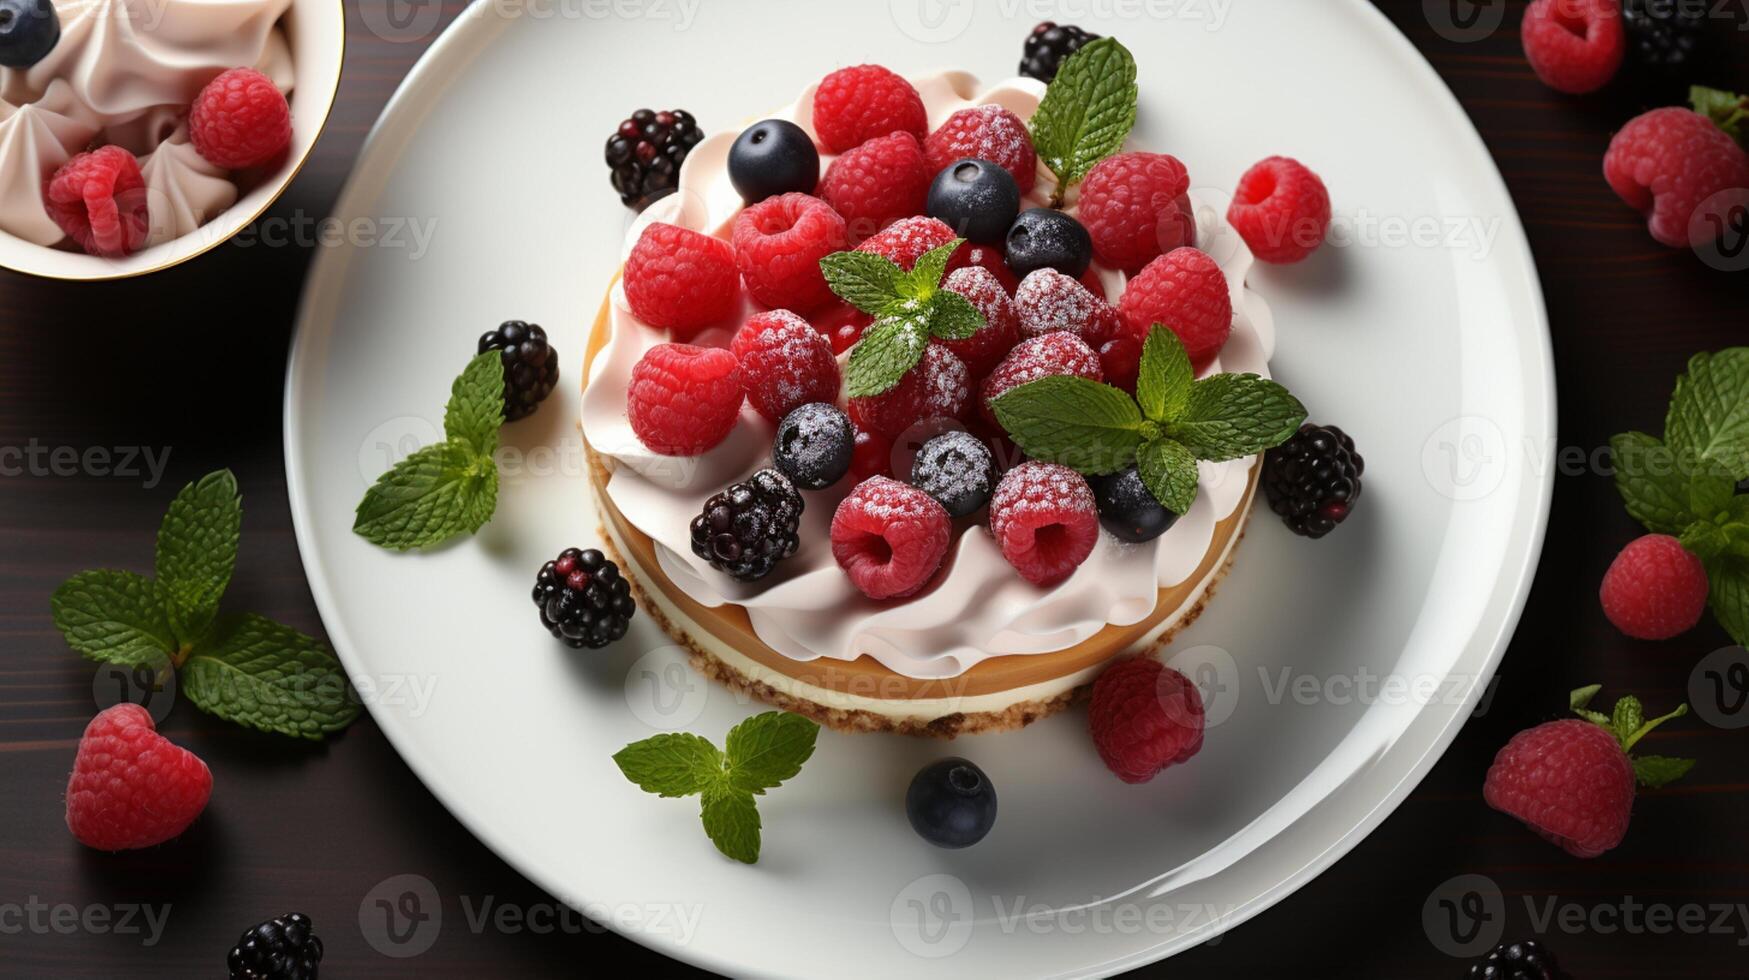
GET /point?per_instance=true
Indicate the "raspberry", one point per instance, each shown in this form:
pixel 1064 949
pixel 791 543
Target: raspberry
pixel 889 537
pixel 785 363
pixel 1120 360
pixel 99 200
pixel 904 241
pixel 855 105
pixel 986 257
pixel 1569 781
pixel 239 120
pixel 877 183
pixel 1048 301
pixel 1667 164
pixel 1655 589
pixel 1040 357
pixel 1186 291
pixel 1281 209
pixel 1137 206
pixel 842 325
pixel 1045 520
pixel 779 243
pixel 683 400
pixel 870 455
pixel 679 279
pixel 1574 46
pixel 130 786
pixel 986 348
pixel 986 132
pixel 1144 716
pixel 938 387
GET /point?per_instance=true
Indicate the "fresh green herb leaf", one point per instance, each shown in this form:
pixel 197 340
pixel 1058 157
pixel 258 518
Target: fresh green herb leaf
pixel 258 673
pixel 431 496
pixel 952 316
pixel 1091 427
pixel 1627 725
pixel 1087 112
pixel 197 552
pixel 1654 771
pixel 767 749
pixel 888 349
pixel 1709 412
pixel 115 617
pixel 1728 110
pixel 731 820
pixel 1164 380
pixel 927 272
pixel 672 764
pixel 1652 483
pixel 865 280
pixel 1169 472
pixel 476 405
pixel 1627 718
pixel 1228 416
pixel 1705 539
pixel 1728 578
pixel 1582 696
pixel 1641 730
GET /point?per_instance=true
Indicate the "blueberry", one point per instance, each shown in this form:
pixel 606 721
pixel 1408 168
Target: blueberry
pixel 814 445
pixel 951 803
pixel 955 468
pixel 29 30
pixel 1128 510
pixel 1043 238
pixel 773 157
pixel 976 198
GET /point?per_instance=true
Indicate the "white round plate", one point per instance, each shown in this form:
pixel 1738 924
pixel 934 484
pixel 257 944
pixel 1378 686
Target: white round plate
pixel 1337 671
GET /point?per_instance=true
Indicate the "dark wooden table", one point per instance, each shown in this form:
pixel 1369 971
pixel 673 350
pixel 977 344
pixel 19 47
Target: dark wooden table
pixel 189 363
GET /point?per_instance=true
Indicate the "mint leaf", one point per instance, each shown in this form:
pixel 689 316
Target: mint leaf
pixel 1582 696
pixel 671 764
pixel 1632 738
pixel 1704 539
pixel 1228 416
pixel 1087 112
pixel 865 280
pixel 197 552
pixel 114 617
pixel 431 496
pixel 1728 578
pixel 1727 110
pixel 1169 472
pixel 1090 427
pixel 731 820
pixel 1658 770
pixel 924 279
pixel 888 349
pixel 952 316
pixel 1709 412
pixel 1627 718
pixel 1651 484
pixel 1163 382
pixel 767 749
pixel 1710 495
pixel 270 677
pixel 476 405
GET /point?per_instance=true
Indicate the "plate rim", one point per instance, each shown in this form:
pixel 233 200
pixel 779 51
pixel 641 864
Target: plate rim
pixel 469 33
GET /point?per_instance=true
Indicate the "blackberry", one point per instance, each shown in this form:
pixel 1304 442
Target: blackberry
pixel 285 948
pixel 583 599
pixel 1048 45
pixel 531 366
pixel 958 470
pixel 1664 34
pixel 646 152
pixel 814 445
pixel 750 527
pixel 1526 960
pixel 1313 479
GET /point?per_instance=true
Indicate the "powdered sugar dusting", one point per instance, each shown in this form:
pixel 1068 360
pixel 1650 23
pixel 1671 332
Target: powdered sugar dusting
pixel 1058 352
pixel 1048 301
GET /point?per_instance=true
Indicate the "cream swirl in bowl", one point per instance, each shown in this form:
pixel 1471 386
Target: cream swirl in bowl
pixel 977 607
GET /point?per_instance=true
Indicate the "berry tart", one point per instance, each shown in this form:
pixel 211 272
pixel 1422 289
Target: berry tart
pixel 836 398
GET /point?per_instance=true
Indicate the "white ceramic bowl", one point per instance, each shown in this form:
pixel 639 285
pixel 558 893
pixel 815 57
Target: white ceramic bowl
pixel 316 32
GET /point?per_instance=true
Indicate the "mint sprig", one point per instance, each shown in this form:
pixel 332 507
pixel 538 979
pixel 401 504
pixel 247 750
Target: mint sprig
pixel 246 669
pixel 1627 723
pixel 1173 421
pixel 909 307
pixel 1087 112
pixel 1728 110
pixel 1686 483
pixel 447 488
pixel 759 754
